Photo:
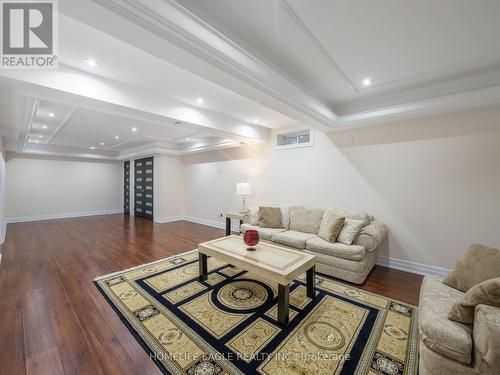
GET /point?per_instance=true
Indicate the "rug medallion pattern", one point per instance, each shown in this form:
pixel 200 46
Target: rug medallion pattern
pixel 227 324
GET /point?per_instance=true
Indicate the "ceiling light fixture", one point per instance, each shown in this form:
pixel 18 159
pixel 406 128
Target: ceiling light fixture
pixel 199 100
pixel 134 129
pixel 92 147
pixel 117 137
pixel 187 138
pixel 256 120
pixel 91 62
pixel 102 143
pixel 36 141
pixel 367 82
pixel 44 126
pixel 52 114
pixel 40 136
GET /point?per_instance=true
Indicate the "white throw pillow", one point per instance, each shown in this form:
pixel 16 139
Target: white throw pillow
pixel 350 230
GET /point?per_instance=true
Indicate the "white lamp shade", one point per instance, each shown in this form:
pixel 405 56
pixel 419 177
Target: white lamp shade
pixel 243 188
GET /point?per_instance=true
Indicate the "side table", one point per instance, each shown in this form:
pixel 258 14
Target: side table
pixel 236 216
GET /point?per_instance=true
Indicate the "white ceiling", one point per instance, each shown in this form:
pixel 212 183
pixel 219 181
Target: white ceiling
pixel 126 64
pixel 256 65
pixel 330 46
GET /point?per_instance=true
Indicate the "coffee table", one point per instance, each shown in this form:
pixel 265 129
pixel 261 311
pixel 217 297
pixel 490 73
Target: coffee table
pixel 273 262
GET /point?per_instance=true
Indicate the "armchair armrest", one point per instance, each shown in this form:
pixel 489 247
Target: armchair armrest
pixel 486 336
pixel 371 235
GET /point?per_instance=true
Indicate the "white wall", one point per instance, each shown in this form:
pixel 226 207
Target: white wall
pixel 436 195
pixel 44 188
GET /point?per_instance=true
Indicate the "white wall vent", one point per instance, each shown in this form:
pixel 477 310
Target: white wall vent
pixel 299 138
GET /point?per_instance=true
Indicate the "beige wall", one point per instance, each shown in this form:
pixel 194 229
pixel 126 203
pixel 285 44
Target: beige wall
pixel 436 191
pixel 39 187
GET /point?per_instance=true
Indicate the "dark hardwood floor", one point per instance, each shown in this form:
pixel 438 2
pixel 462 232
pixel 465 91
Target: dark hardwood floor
pixel 52 318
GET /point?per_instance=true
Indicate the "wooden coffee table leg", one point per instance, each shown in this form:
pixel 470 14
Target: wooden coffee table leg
pixel 202 263
pixel 311 281
pixel 283 303
pixel 228 226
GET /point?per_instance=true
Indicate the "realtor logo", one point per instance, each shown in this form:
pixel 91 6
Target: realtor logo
pixel 29 34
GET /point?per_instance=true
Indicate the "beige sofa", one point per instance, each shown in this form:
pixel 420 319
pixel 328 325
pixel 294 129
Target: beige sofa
pixel 300 231
pixel 448 347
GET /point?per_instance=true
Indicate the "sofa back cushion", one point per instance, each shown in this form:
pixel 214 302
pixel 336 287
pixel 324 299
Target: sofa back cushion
pixel 253 216
pixel 306 220
pixel 480 263
pixel 285 215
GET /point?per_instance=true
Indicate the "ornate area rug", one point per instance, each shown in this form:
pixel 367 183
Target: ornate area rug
pixel 227 325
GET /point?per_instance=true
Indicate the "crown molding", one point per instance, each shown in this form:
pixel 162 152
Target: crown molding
pixel 169 20
pixel 29 115
pixel 308 33
pixel 61 125
pixel 447 103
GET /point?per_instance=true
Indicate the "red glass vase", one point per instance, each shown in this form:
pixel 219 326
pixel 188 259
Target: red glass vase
pixel 251 238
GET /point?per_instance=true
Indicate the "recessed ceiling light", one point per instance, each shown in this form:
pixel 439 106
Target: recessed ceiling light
pixel 117 137
pixel 187 138
pixel 134 129
pixel 367 82
pixel 40 136
pixel 36 141
pixel 102 143
pixel 199 100
pixel 92 147
pixel 91 62
pixel 44 126
pixel 256 120
pixel 52 114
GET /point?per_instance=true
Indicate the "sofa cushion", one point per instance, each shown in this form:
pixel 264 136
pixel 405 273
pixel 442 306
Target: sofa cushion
pixel 487 293
pixel 350 230
pixel 270 217
pixel 285 215
pixel 361 216
pixel 264 233
pixel 451 339
pixel 253 216
pixel 480 263
pixel 340 250
pixel 330 226
pixel 292 238
pixel 306 220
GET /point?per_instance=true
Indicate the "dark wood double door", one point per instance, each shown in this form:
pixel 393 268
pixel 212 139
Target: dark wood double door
pixel 143 188
pixel 126 188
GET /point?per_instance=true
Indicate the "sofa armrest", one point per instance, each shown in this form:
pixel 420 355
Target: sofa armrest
pixel 371 235
pixel 486 336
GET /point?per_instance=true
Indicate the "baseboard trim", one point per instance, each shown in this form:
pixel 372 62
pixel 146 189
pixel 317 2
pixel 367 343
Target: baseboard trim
pixel 168 219
pixel 212 223
pixel 413 267
pixel 22 219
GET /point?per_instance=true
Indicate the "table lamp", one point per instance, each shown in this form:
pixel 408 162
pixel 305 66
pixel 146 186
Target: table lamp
pixel 243 189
